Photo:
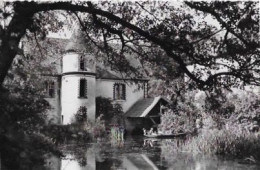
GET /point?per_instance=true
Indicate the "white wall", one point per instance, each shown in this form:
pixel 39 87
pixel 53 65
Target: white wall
pixel 70 62
pixel 53 115
pixel 104 88
pixel 70 102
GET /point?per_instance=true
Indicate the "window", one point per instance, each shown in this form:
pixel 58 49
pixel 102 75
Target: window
pixel 83 88
pixel 82 63
pixel 145 87
pixel 50 89
pixel 119 91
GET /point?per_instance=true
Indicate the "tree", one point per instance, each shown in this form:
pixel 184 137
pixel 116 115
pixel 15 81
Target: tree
pixel 111 113
pixel 174 37
pixel 104 107
pixel 23 115
pixel 166 38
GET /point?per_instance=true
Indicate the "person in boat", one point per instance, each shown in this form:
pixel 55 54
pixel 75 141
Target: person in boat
pixel 150 131
pixel 145 132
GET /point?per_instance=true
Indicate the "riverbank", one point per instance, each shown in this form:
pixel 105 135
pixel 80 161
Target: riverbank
pixel 225 123
pixel 224 142
pixel 84 132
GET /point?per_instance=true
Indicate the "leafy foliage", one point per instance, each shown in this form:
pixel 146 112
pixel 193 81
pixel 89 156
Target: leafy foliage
pixel 181 117
pixel 237 109
pixel 174 123
pixel 98 128
pixel 104 107
pixel 228 122
pixel 111 113
pixel 170 40
pixel 163 35
pixel 81 115
pixel 118 118
pixel 21 119
pixel 23 114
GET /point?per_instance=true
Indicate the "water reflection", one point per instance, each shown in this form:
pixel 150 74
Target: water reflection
pixel 136 154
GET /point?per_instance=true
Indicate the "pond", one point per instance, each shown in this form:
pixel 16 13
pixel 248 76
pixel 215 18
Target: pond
pixel 137 153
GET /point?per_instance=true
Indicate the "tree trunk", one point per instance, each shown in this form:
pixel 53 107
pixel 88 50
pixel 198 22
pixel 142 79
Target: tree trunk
pixel 10 38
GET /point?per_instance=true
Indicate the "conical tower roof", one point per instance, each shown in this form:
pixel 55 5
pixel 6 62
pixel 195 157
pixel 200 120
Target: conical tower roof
pixel 76 43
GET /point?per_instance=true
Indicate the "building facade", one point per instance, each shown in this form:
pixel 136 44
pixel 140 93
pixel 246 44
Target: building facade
pixel 81 80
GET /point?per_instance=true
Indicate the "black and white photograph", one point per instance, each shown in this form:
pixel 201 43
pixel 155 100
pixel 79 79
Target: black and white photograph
pixel 129 85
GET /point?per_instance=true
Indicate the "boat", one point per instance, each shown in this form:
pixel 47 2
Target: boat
pixel 165 135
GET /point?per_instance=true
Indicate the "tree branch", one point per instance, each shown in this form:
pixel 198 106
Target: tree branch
pixel 167 47
pixel 211 11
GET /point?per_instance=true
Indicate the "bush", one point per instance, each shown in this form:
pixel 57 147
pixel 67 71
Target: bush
pixel 84 127
pixel 22 115
pixel 98 129
pixel 176 123
pixel 228 120
pixel 180 118
pixel 220 108
pixel 81 115
pixel 63 133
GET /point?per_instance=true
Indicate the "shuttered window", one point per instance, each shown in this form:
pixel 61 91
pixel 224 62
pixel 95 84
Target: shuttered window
pixel 83 88
pixel 145 86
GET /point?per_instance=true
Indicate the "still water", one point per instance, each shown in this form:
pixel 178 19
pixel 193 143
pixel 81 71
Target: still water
pixel 137 154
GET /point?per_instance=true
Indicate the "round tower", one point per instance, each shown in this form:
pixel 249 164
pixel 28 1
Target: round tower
pixel 78 84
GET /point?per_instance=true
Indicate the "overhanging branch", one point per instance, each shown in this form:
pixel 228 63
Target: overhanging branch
pixel 91 10
pixel 166 46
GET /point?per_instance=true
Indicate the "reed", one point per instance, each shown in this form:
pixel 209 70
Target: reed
pixel 224 142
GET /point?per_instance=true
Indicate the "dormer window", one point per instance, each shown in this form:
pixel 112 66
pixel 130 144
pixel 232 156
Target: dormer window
pixel 49 89
pixel 83 88
pixel 82 64
pixel 119 91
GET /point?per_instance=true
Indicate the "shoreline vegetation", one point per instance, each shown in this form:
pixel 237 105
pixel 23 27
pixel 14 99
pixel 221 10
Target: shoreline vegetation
pixel 227 126
pixel 229 130
pixel 81 132
pixel 226 143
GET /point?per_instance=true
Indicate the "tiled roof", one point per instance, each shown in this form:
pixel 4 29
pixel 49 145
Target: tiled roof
pixel 103 73
pixel 77 43
pixel 142 107
pixel 54 49
pixel 139 107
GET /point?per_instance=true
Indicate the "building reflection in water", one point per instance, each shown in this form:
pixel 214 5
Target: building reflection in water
pixel 138 162
pixel 146 154
pixel 95 159
pixel 73 162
